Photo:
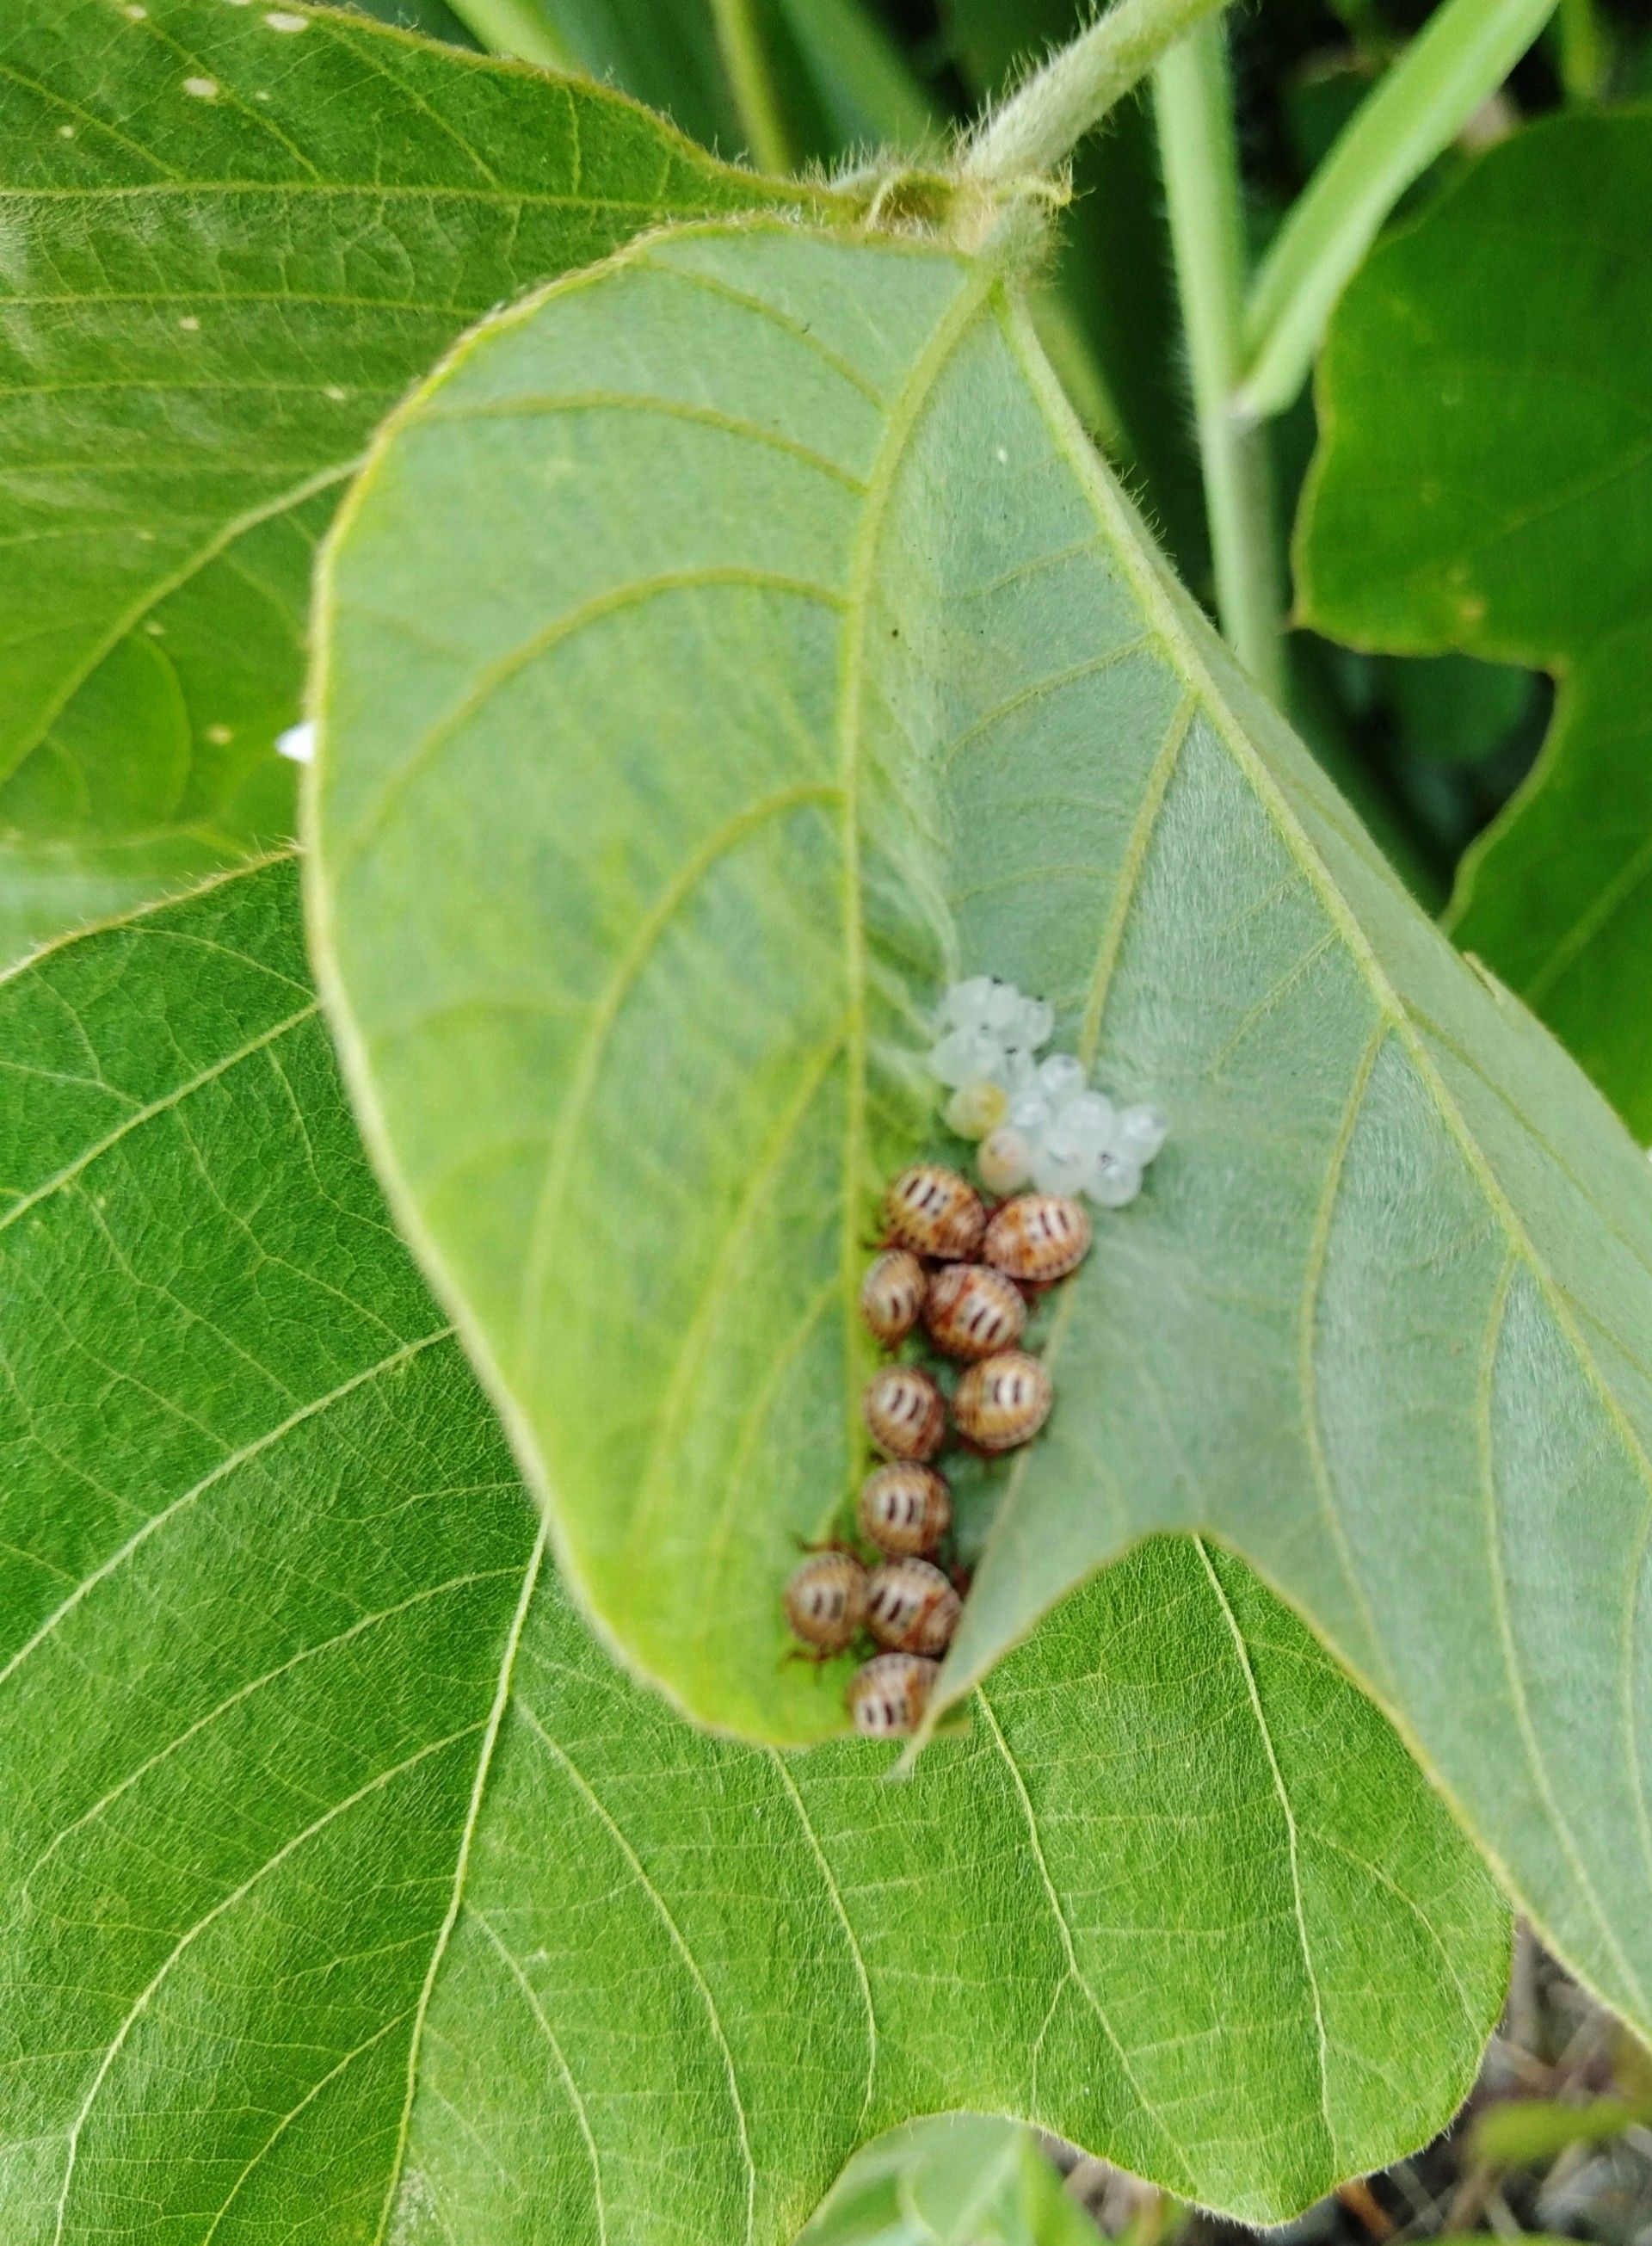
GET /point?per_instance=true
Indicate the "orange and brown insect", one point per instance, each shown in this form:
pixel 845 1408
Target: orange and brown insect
pixel 892 1295
pixel 888 1696
pixel 826 1601
pixel 1037 1237
pixel 934 1212
pixel 1003 1401
pixel 972 1311
pixel 911 1608
pixel 905 1413
pixel 905 1508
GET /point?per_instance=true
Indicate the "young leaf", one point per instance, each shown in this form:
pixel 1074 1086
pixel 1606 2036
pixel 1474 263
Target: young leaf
pixel 234 236
pixel 795 653
pixel 959 2179
pixel 340 1871
pixel 1483 485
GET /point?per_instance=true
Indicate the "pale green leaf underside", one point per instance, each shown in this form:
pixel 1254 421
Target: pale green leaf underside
pixel 961 2180
pixel 347 1891
pixel 795 653
pixel 208 297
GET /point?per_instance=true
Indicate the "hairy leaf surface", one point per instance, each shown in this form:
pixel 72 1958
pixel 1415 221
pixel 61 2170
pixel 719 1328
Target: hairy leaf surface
pixel 960 2180
pixel 1484 483
pixel 797 654
pixel 343 1883
pixel 232 237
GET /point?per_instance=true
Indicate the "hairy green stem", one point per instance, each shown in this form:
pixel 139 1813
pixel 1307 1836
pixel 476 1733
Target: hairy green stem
pixel 740 45
pixel 1193 94
pixel 1039 126
pixel 518 27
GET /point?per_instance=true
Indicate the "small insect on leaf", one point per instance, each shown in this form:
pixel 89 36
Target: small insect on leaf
pixel 888 1696
pixel 905 1413
pixel 1003 1401
pixel 905 1508
pixel 912 1608
pixel 1038 1237
pixel 972 1311
pixel 825 1600
pixel 934 1212
pixel 891 1295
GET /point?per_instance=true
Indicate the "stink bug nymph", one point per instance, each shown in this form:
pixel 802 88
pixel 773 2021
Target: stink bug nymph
pixel 904 1411
pixel 911 1608
pixel 905 1508
pixel 888 1696
pixel 1038 1237
pixel 972 1311
pixel 891 1295
pixel 826 1601
pixel 1003 1401
pixel 934 1212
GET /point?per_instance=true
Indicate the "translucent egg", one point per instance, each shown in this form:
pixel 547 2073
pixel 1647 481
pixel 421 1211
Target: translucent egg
pixel 965 1004
pixel 1082 1125
pixel 1004 1163
pixel 1113 1181
pixel 1002 1011
pixel 1062 1173
pixel 965 1056
pixel 1060 1076
pixel 1032 1110
pixel 1138 1132
pixel 978 1108
pixel 1035 1025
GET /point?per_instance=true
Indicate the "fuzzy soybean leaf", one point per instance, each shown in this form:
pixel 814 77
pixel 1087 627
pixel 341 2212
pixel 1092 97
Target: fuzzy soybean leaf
pixel 233 237
pixel 347 1890
pixel 960 2180
pixel 1483 484
pixel 796 654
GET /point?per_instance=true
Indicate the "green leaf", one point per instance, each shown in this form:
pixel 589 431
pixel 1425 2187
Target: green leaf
pixel 208 299
pixel 341 1873
pixel 1482 484
pixel 1460 58
pixel 960 2180
pixel 796 653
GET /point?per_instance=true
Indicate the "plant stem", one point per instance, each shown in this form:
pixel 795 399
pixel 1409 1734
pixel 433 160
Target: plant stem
pixel 1193 94
pixel 740 45
pixel 517 28
pixel 1039 128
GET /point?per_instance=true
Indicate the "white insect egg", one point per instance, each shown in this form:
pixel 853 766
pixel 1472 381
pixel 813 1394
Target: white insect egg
pixel 279 20
pixel 1138 1132
pixel 1060 1076
pixel 965 1004
pixel 1114 1182
pixel 1083 1125
pixel 203 89
pixel 1036 1023
pixel 963 1056
pixel 978 1108
pixel 189 324
pixel 1031 1110
pixel 1002 1011
pixel 1055 1173
pixel 65 132
pixel 1004 1163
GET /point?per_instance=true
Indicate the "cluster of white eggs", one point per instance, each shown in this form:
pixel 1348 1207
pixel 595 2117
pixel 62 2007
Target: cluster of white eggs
pixel 1039 1122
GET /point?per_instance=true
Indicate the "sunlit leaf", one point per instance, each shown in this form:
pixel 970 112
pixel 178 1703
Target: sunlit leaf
pixel 340 1873
pixel 796 653
pixel 232 237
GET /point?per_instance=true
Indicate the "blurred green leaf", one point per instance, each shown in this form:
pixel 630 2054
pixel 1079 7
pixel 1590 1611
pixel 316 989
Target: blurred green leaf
pixel 1453 708
pixel 1484 485
pixel 961 2180
pixel 210 298
pixel 345 1884
pixel 1525 2133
